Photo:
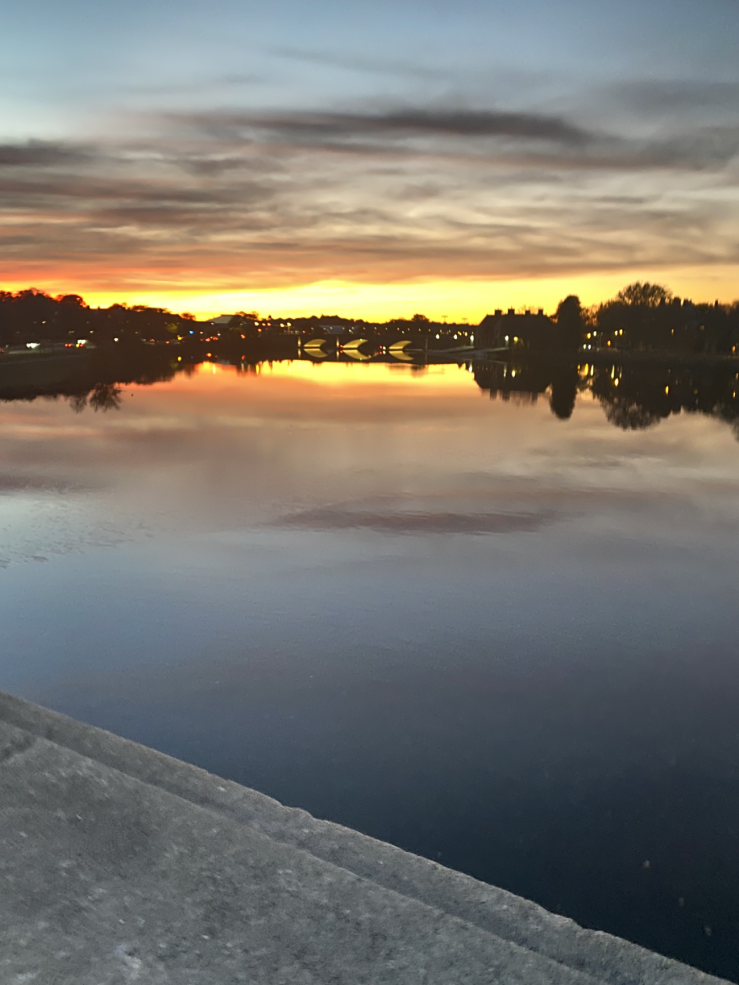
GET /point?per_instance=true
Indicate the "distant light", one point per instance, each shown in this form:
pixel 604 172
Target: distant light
pixel 116 340
pixel 506 338
pixel 81 341
pixel 472 338
pixel 32 345
pixel 437 336
pixel 191 332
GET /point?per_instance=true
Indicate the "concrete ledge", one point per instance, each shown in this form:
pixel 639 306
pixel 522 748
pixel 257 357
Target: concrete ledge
pixel 122 864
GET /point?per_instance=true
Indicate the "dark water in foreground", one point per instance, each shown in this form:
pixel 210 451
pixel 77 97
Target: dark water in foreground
pixel 498 639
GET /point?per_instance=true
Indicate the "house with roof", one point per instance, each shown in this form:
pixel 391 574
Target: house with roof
pixel 526 330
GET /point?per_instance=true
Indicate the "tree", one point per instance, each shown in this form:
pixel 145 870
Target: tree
pixel 644 295
pixel 640 317
pixel 570 322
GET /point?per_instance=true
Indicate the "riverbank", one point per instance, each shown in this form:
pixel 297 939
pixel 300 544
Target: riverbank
pixel 121 864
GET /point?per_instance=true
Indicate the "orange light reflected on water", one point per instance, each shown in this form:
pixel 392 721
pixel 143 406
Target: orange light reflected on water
pixel 336 375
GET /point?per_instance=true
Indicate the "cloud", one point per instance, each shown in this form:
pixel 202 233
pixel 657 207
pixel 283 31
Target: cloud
pixel 525 140
pixel 658 97
pixel 210 82
pixel 405 123
pixel 42 154
pixel 353 64
pixel 268 199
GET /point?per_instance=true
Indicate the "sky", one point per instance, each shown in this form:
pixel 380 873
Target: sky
pixel 375 158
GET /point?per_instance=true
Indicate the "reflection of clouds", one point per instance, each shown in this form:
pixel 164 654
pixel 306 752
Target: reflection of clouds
pixel 403 521
pixel 23 483
pixel 393 452
pixel 38 525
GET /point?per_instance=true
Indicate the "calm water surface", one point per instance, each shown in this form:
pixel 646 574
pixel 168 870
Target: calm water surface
pixel 495 638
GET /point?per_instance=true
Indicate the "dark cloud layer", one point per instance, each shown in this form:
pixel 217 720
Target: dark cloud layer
pixel 401 123
pixel 532 140
pixel 376 195
pixel 655 97
pixel 42 154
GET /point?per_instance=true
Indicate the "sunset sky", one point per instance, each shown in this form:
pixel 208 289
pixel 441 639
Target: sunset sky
pixel 375 158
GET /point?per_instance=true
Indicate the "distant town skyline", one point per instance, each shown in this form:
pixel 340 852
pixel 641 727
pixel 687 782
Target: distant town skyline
pixel 376 160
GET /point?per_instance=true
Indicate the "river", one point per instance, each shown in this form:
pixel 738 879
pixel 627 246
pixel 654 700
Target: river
pixel 497 637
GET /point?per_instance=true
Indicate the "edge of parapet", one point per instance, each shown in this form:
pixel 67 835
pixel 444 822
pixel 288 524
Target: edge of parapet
pixel 602 956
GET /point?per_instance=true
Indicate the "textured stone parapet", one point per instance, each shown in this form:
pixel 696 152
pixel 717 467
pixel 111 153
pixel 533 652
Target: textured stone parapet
pixel 119 864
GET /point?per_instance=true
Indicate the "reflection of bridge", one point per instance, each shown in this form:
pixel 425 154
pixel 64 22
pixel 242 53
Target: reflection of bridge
pixel 635 390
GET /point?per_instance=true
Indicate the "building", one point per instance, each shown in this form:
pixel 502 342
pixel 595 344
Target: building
pixel 527 330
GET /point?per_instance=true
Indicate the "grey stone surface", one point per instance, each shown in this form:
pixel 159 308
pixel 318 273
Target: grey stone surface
pixel 119 864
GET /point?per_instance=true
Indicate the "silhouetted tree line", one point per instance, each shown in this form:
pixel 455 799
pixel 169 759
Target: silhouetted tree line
pixel 642 317
pixel 647 317
pixel 33 316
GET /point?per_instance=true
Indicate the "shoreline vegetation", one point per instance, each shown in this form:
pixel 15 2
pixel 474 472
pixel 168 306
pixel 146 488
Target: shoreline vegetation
pixel 644 355
pixel 642 317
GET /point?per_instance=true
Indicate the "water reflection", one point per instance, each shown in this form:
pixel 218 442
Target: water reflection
pixel 367 589
pixel 635 394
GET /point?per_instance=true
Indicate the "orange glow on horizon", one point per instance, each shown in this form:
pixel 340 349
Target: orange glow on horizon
pixel 453 299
